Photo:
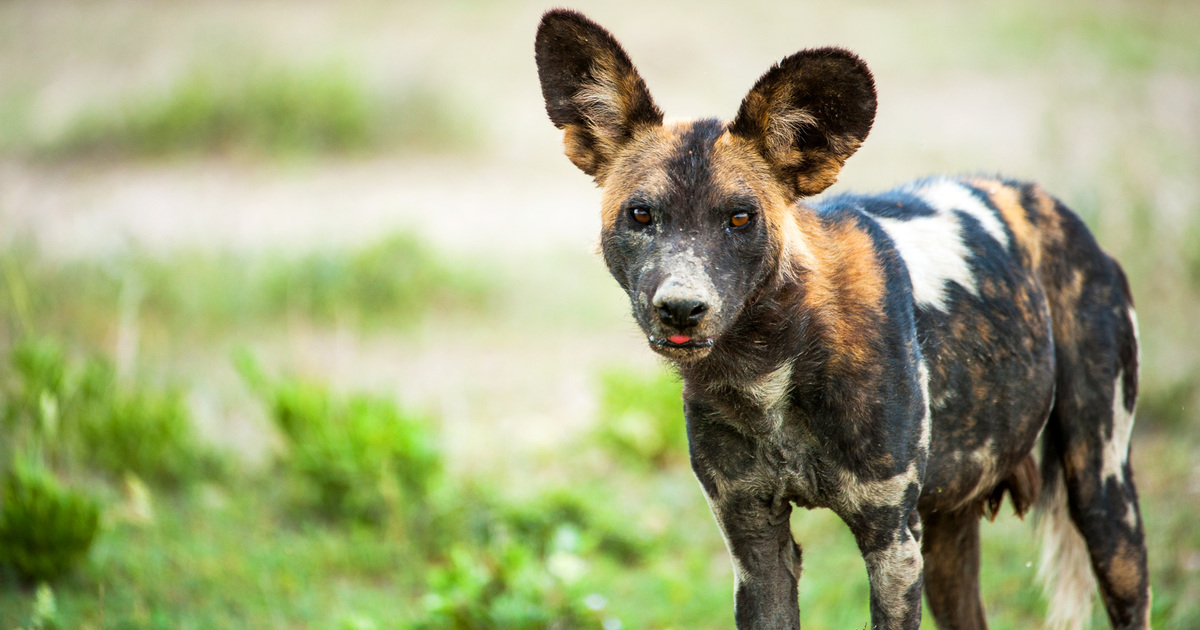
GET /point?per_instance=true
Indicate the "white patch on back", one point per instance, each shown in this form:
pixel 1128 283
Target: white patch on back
pixel 946 195
pixel 934 252
pixel 932 246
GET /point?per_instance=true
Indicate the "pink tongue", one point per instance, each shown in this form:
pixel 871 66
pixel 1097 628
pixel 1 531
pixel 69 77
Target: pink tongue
pixel 679 339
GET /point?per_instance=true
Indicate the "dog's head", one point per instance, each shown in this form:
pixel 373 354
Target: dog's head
pixel 699 217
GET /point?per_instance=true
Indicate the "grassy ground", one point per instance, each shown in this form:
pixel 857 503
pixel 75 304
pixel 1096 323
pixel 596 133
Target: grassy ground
pixel 187 192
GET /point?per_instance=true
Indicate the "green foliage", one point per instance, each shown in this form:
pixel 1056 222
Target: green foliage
pixel 264 109
pixel 566 512
pixel 503 586
pixel 81 417
pixel 359 457
pixel 641 417
pixel 44 615
pixel 45 529
pixel 137 429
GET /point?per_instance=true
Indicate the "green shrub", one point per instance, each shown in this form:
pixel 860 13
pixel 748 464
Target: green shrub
pixel 359 456
pixel 36 394
pixel 45 529
pixel 77 416
pixel 502 586
pixel 40 364
pixel 30 395
pixel 641 417
pixel 140 430
pixel 538 522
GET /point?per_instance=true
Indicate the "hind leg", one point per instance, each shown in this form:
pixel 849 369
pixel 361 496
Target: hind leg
pixel 1103 505
pixel 1089 430
pixel 950 545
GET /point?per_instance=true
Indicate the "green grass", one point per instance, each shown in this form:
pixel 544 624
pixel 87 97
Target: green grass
pixel 239 554
pixel 393 283
pixel 358 457
pixel 641 417
pixel 259 109
pixel 79 418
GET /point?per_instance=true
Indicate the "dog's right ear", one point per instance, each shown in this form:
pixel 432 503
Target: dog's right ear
pixel 592 91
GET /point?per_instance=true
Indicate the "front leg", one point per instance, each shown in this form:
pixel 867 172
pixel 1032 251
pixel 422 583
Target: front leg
pixel 889 536
pixel 766 560
pixel 744 492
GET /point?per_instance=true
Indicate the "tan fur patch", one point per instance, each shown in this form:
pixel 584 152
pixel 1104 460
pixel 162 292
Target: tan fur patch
pixel 1124 573
pixel 845 290
pixel 639 167
pixel 1076 462
pixel 1007 200
pixel 1063 303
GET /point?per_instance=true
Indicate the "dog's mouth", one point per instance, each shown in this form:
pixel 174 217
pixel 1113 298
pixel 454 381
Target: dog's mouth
pixel 681 341
pixel 681 347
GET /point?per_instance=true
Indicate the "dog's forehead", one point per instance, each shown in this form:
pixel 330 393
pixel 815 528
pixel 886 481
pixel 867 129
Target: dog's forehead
pixel 694 162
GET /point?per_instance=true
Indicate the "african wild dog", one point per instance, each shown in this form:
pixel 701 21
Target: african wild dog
pixel 892 357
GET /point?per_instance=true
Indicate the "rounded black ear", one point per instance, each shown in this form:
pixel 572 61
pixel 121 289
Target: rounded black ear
pixel 592 91
pixel 808 114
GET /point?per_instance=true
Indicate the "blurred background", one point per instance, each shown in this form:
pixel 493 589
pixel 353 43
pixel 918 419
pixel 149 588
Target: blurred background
pixel 301 324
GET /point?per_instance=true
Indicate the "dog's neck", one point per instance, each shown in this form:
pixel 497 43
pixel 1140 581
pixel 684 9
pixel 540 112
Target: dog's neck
pixel 816 315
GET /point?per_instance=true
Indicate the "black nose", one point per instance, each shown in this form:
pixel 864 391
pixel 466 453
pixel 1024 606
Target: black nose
pixel 680 313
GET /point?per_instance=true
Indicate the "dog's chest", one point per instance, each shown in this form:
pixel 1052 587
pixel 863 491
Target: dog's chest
pixel 788 461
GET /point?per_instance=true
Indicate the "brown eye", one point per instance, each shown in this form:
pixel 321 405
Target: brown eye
pixel 739 219
pixel 641 215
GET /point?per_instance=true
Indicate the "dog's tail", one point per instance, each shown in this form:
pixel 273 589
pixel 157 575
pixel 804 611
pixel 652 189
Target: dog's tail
pixel 1064 569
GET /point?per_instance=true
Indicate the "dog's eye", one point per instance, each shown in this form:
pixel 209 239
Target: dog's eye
pixel 640 214
pixel 739 219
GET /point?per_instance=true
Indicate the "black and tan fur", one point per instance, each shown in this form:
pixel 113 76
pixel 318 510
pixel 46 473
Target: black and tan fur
pixel 893 357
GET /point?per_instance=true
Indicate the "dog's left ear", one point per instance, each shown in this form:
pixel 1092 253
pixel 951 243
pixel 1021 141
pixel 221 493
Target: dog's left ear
pixel 592 91
pixel 808 114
